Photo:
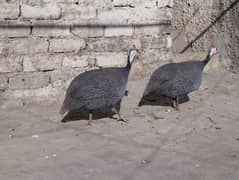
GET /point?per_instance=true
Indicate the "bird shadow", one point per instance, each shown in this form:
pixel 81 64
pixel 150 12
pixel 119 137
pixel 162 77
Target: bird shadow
pixel 83 114
pixel 162 100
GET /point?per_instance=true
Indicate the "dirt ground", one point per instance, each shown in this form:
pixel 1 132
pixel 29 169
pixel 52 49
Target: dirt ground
pixel 200 142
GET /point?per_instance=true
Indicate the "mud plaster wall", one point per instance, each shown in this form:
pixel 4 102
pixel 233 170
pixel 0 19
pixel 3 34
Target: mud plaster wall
pixel 191 17
pixel 45 43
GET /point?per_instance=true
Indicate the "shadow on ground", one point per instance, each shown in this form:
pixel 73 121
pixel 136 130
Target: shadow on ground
pixel 83 114
pixel 162 101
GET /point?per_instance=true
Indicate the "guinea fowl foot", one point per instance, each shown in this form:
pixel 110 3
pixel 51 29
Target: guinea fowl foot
pixel 123 119
pixel 93 124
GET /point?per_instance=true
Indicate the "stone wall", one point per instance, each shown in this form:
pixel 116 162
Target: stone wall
pixel 45 43
pixel 229 35
pixel 192 17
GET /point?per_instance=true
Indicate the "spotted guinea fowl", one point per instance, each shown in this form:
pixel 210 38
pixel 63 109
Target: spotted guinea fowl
pixel 176 79
pixel 97 89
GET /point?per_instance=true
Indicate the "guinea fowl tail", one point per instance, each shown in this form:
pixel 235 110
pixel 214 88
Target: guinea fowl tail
pixel 141 102
pixel 205 61
pixel 63 109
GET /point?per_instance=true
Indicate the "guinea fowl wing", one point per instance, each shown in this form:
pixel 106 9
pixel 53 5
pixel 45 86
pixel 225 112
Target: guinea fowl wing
pixel 92 92
pixel 103 90
pixel 159 79
pixel 178 86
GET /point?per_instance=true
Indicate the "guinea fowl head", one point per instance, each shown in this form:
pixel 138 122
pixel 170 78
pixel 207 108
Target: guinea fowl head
pixel 133 55
pixel 211 53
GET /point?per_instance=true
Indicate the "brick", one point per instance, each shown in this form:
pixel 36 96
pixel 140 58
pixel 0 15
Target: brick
pixel 120 3
pixel 98 3
pixel 42 62
pixel 115 16
pixel 67 45
pixel 60 75
pixel 28 81
pixel 9 11
pixel 143 3
pixel 85 32
pixel 164 3
pixel 155 30
pixel 26 46
pixel 111 59
pixel 135 3
pixel 75 61
pixel 43 95
pixel 116 44
pixel 14 32
pixel 3 82
pixel 149 15
pixel 121 16
pixel 64 75
pixel 11 63
pixel 118 31
pixel 78 13
pixel 154 43
pixel 10 1
pixel 51 32
pixel 106 44
pixel 40 2
pixel 50 11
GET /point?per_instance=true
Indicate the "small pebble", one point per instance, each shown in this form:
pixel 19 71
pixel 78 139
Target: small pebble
pixel 46 157
pixel 145 161
pixel 169 110
pixel 35 136
pixel 197 165
pixel 54 155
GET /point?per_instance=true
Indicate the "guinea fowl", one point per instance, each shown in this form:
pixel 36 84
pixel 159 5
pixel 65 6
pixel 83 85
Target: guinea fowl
pixel 100 88
pixel 176 79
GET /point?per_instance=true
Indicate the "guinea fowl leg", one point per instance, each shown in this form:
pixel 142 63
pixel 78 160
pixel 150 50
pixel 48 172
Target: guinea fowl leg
pixel 121 118
pixel 90 121
pixel 176 103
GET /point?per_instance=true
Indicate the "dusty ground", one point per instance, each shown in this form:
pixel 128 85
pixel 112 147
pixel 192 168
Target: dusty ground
pixel 199 142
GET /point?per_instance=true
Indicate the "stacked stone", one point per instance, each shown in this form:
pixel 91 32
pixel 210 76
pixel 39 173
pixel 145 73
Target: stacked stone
pixel 45 43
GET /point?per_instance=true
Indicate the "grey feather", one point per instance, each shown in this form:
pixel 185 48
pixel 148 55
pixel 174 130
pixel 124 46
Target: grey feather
pixel 176 79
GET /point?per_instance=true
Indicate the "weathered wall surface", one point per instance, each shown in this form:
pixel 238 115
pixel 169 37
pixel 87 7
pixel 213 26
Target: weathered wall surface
pixel 192 17
pixel 229 35
pixel 45 43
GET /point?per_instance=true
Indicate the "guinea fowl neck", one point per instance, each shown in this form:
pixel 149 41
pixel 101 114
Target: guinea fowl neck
pixel 207 59
pixel 128 66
